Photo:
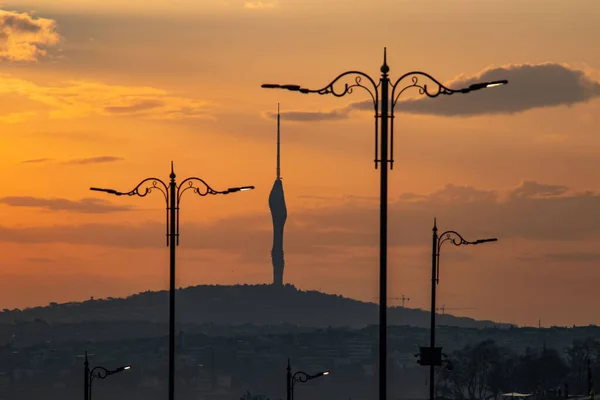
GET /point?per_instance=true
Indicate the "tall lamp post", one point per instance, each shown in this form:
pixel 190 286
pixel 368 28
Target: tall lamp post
pixel 172 194
pixel 299 376
pixel 383 105
pixel 432 356
pixel 97 373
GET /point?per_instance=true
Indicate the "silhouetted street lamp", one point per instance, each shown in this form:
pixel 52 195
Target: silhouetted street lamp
pixel 97 373
pixel 172 194
pixel 382 101
pixel 432 356
pixel 299 376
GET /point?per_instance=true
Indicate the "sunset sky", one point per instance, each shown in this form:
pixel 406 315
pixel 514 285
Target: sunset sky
pixel 107 92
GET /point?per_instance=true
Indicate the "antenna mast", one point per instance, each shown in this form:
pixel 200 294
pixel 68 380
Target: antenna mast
pixel 278 145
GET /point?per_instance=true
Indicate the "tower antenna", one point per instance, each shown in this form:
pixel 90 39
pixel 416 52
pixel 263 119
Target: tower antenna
pixel 278 144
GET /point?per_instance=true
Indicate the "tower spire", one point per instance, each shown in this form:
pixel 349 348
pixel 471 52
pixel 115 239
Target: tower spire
pixel 278 145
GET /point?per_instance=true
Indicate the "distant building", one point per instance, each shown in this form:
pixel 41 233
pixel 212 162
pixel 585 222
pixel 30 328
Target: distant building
pixel 279 214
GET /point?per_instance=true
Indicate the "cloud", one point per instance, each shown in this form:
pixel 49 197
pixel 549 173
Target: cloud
pixel 303 116
pixel 335 225
pixel 77 161
pixel 37 161
pixel 138 107
pixel 532 190
pixel 94 160
pixel 530 86
pixel 85 205
pixel 24 38
pixel 78 99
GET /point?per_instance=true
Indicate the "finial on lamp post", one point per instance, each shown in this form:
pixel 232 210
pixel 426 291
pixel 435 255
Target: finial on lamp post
pixel 384 68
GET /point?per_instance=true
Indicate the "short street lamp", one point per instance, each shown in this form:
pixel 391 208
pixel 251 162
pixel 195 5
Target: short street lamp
pixel 383 105
pixel 299 376
pixel 172 194
pixel 97 373
pixel 432 356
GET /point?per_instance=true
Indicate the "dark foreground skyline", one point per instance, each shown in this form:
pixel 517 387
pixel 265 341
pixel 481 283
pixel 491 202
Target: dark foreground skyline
pixel 85 102
pixel 220 361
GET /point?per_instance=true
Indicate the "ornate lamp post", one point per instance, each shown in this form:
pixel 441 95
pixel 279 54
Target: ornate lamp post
pixel 383 105
pixel 299 376
pixel 172 194
pixel 97 373
pixel 432 356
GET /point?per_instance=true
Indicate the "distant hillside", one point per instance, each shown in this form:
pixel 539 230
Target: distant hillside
pixel 233 305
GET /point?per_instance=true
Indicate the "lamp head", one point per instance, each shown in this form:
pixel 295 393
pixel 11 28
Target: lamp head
pixel 486 240
pixel 120 369
pixel 497 83
pixel 239 189
pixel 110 191
pixel 484 85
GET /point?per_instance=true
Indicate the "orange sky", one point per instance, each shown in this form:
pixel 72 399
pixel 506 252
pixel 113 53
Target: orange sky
pixel 106 93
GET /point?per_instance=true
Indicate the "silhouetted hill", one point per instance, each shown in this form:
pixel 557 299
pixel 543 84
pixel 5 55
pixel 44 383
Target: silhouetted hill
pixel 233 305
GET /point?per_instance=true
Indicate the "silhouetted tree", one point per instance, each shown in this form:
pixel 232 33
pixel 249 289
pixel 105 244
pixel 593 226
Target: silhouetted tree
pixel 539 371
pixel 577 358
pixel 478 372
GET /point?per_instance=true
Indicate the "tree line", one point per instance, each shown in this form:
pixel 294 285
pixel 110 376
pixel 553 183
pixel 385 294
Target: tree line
pixel 486 370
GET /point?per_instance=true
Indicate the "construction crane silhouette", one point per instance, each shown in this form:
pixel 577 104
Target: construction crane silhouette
pixel 443 308
pixel 403 299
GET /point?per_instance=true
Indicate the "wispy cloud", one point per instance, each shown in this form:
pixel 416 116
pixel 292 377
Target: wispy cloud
pixel 76 161
pixel 307 116
pixel 25 38
pixel 85 205
pixel 94 160
pixel 337 224
pixel 37 161
pixel 530 86
pixel 77 99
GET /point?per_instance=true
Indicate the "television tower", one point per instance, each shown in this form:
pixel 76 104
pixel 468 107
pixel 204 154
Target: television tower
pixel 279 214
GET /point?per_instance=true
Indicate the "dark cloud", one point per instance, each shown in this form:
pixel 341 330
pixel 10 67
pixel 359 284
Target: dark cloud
pixel 338 224
pixel 23 37
pixel 94 160
pixel 37 160
pixel 530 86
pixel 86 205
pixel 303 116
pixel 78 161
